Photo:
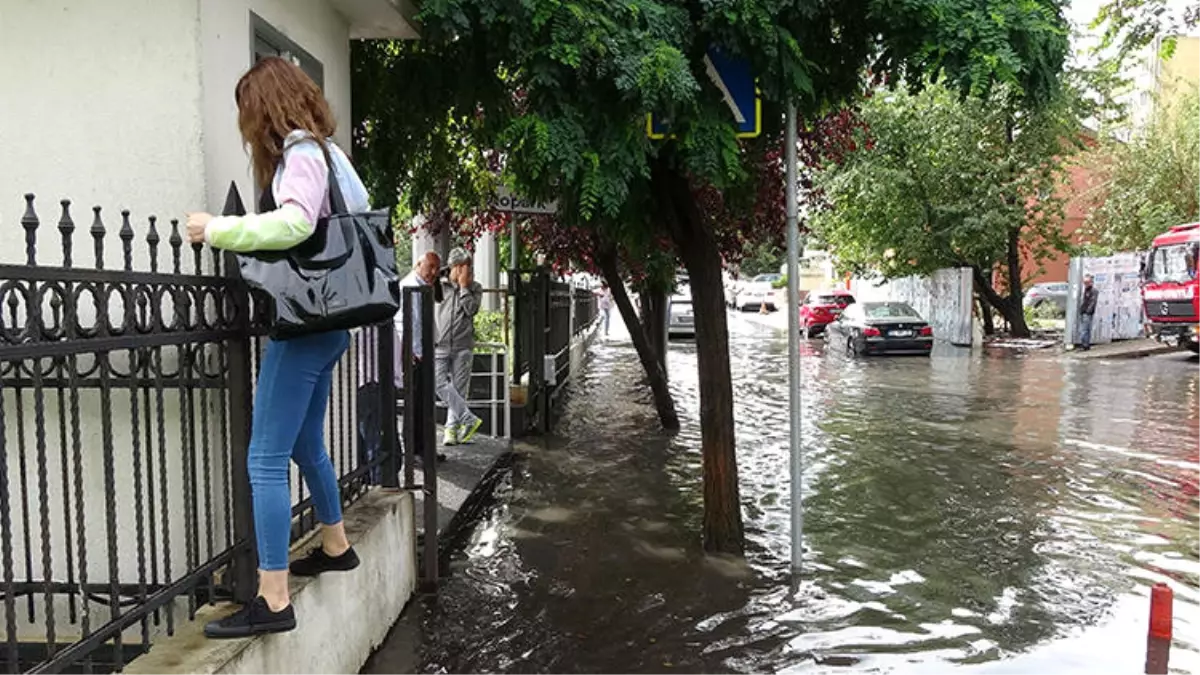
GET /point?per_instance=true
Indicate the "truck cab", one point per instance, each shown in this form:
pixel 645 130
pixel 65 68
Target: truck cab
pixel 1170 290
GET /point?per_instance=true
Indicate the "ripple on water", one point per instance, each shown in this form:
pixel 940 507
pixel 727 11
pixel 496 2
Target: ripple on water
pixel 1001 515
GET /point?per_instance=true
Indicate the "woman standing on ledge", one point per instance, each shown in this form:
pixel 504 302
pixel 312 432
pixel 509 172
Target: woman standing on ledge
pixel 286 123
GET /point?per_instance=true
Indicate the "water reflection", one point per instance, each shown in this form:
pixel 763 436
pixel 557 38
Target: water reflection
pixel 1002 513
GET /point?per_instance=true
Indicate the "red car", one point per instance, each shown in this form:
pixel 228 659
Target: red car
pixel 820 309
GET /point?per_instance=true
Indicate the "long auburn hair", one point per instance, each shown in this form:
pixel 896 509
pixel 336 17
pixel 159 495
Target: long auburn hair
pixel 275 98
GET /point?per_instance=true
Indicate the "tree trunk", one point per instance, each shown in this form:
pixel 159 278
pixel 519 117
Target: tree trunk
pixel 655 373
pixel 654 322
pixel 985 313
pixel 698 247
pixel 1010 308
pixel 1016 313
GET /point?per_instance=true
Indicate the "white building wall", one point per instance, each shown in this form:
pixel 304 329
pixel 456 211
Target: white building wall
pixel 227 53
pixel 100 103
pixel 128 104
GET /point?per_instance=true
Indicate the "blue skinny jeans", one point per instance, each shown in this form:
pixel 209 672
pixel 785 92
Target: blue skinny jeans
pixel 289 423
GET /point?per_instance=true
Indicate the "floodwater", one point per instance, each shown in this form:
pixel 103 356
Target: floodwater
pixel 967 512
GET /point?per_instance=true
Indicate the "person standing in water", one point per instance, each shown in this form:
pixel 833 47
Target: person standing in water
pixel 605 304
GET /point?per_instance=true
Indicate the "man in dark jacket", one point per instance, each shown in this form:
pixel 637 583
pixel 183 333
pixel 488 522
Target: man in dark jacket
pixel 454 346
pixel 1087 310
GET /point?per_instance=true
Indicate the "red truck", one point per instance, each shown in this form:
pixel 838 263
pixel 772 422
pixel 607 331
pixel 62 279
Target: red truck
pixel 1170 290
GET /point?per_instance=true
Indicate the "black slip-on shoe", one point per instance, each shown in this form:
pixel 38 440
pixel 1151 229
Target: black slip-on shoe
pixel 318 561
pixel 255 618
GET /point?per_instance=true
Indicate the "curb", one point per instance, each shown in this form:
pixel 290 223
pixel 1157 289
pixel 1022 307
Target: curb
pixel 460 527
pixel 1139 353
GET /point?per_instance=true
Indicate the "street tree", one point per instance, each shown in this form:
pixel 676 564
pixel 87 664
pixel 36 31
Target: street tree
pixel 1150 182
pixel 561 90
pixel 938 180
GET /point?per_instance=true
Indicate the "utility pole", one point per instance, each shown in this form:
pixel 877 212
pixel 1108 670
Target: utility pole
pixel 794 409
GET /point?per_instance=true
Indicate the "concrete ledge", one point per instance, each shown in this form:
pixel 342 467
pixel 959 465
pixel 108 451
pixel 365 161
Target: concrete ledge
pixel 342 617
pixel 1125 349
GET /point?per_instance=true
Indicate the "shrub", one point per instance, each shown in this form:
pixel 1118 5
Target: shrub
pixel 489 326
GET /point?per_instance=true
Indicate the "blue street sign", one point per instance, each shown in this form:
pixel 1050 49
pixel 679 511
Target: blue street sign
pixel 733 77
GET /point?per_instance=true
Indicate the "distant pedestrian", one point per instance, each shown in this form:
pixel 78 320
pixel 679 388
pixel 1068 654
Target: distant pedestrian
pixel 605 304
pixel 1087 310
pixel 371 415
pixel 455 347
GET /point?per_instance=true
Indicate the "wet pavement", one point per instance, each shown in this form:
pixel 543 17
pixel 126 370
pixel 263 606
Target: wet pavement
pixel 997 514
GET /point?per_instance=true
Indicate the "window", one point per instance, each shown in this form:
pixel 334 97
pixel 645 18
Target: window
pixel 889 310
pixel 1175 262
pixel 841 300
pixel 266 40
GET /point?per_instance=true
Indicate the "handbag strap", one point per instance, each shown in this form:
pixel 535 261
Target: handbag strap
pixel 337 202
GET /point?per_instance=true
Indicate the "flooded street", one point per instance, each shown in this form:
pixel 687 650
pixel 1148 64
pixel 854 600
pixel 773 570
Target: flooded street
pixel 1001 514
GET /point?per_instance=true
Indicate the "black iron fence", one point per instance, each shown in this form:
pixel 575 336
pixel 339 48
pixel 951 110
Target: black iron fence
pixel 587 310
pixel 126 391
pixel 550 317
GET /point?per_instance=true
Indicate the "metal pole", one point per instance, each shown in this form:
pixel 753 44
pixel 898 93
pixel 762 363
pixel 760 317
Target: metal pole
pixel 793 266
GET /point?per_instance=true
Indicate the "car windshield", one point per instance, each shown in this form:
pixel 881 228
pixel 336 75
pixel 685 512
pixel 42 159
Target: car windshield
pixel 769 278
pixel 889 310
pixel 1173 263
pixel 839 300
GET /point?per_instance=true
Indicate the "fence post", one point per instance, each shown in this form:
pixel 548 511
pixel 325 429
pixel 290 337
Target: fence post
pixel 428 440
pixel 385 339
pixel 516 291
pixel 545 329
pixel 410 397
pixel 241 404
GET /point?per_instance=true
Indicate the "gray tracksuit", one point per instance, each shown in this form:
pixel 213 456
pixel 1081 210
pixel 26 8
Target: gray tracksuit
pixel 455 316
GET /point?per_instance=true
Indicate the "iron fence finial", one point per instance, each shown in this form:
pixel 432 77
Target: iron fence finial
pixel 176 243
pixel 126 236
pixel 66 227
pixel 30 222
pixel 98 235
pixel 152 240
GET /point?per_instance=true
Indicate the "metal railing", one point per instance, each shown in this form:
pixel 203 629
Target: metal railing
pixel 551 317
pixel 126 396
pixel 488 394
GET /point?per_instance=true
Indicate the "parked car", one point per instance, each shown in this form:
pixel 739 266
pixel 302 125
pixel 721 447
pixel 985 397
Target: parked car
pixel 881 328
pixel 820 309
pixel 757 293
pixel 1048 294
pixel 680 321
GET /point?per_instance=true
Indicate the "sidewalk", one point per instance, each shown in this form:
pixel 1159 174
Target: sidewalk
pixel 465 482
pixel 1124 349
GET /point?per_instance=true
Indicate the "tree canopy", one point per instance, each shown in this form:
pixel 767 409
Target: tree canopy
pixel 1127 27
pixel 551 96
pixel 936 180
pixel 1150 183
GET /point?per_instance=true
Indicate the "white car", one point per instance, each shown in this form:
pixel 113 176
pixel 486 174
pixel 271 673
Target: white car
pixel 680 320
pixel 757 293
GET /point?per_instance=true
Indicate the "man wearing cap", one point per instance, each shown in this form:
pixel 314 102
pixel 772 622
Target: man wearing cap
pixel 454 346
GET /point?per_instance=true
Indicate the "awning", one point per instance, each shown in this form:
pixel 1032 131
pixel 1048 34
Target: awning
pixel 379 19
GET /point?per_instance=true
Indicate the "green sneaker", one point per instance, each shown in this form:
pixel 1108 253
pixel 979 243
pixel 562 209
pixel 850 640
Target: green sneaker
pixel 450 436
pixel 467 430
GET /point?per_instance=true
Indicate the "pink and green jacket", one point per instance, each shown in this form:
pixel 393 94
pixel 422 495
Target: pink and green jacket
pixel 301 190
